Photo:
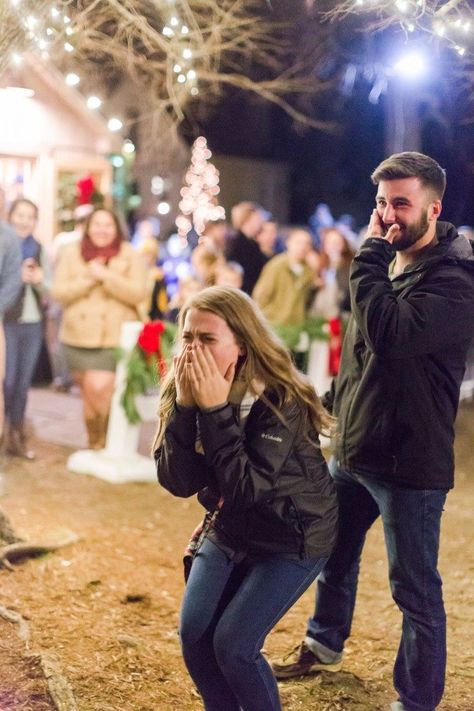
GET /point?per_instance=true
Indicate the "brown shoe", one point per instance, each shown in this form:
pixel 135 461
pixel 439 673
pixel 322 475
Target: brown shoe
pixel 300 662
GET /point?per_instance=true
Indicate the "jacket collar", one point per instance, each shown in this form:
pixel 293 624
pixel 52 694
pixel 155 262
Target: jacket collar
pixel 451 248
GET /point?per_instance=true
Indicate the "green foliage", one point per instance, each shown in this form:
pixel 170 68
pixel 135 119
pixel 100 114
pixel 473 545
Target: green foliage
pixel 315 328
pixel 144 371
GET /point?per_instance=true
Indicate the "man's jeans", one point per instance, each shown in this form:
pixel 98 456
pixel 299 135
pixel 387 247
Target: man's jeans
pixel 23 346
pixel 227 612
pixel 411 520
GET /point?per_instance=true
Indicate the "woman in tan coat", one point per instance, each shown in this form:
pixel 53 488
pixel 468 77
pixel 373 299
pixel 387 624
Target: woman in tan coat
pixel 100 282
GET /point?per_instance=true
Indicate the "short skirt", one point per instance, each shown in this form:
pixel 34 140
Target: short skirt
pixel 90 358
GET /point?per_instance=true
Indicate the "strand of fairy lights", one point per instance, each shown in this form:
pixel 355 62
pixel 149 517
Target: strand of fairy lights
pixel 454 26
pixel 181 53
pixel 41 34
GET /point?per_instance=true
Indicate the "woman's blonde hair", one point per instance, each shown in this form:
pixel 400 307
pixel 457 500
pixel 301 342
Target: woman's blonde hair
pixel 266 360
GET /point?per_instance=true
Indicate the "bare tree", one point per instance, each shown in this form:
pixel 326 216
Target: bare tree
pixel 181 52
pixel 177 51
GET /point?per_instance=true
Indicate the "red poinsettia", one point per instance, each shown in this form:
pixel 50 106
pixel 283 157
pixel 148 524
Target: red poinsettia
pixel 149 339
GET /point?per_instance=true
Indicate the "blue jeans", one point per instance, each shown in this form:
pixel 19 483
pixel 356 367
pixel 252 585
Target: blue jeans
pixel 411 520
pixel 228 609
pixel 23 345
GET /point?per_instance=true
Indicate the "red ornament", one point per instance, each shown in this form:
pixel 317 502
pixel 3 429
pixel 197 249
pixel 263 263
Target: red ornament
pixel 85 188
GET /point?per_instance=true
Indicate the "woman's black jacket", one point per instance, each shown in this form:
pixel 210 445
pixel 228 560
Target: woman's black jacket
pixel 278 495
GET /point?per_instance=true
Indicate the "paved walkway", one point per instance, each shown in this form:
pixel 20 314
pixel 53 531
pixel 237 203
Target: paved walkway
pixel 57 418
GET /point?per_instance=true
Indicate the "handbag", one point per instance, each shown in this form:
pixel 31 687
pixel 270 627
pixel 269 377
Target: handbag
pixel 197 539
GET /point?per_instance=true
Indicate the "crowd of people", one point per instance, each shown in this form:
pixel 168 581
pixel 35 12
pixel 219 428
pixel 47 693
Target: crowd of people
pixel 239 424
pixel 75 292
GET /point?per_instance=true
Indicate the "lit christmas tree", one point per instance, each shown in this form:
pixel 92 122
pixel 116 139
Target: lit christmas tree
pixel 198 202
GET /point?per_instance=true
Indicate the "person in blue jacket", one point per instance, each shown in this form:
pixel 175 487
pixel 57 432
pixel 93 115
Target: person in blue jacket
pixel 24 325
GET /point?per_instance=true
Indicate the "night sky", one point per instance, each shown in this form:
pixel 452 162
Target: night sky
pixel 335 168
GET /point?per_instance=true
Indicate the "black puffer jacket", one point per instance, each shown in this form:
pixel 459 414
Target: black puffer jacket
pixel 278 494
pixel 403 361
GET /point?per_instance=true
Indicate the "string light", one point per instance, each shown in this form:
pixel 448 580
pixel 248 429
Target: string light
pixel 93 103
pixel 72 79
pixel 128 147
pixel 114 124
pixel 163 207
pixel 402 5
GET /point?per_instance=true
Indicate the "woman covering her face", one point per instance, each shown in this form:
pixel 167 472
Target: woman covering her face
pixel 100 282
pixel 239 427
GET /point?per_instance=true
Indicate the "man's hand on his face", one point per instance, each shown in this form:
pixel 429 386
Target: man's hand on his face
pixel 376 228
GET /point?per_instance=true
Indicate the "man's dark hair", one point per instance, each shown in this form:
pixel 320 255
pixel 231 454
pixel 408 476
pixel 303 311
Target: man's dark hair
pixel 412 165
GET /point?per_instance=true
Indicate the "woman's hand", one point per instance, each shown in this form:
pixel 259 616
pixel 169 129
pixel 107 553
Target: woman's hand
pixel 97 269
pixel 210 388
pixel 184 395
pixel 31 272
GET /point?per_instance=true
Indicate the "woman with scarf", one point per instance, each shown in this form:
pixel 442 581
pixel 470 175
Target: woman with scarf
pixel 100 282
pixel 239 426
pixel 23 325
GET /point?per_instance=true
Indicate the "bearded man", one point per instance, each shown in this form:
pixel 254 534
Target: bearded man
pixel 395 399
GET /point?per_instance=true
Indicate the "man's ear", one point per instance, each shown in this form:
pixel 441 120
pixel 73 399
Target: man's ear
pixel 435 210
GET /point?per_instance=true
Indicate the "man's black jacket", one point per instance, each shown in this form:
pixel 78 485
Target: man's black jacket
pixel 278 494
pixel 246 252
pixel 403 361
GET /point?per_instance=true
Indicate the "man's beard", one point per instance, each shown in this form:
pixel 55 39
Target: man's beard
pixel 410 234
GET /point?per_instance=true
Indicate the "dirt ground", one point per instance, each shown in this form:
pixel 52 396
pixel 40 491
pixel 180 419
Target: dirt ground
pixel 104 610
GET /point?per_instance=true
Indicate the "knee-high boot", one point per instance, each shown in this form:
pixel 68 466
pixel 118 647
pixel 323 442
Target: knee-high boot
pixel 97 431
pixel 16 444
pixel 102 430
